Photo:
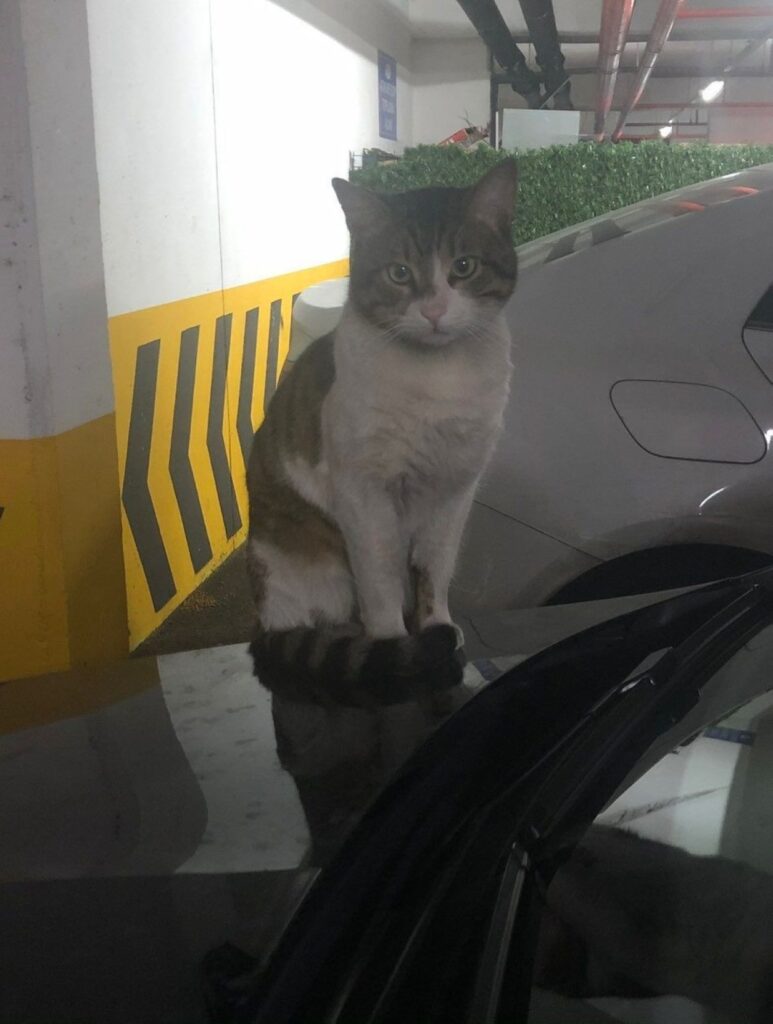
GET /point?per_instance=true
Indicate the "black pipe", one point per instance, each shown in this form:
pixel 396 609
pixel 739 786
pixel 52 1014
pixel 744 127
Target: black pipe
pixel 492 28
pixel 541 23
pixel 493 104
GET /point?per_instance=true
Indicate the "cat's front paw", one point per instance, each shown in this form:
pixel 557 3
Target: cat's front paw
pixel 443 629
pixel 442 656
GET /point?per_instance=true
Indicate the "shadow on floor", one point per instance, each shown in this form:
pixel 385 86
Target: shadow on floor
pixel 220 611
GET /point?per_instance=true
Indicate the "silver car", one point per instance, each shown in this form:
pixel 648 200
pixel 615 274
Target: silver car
pixel 636 448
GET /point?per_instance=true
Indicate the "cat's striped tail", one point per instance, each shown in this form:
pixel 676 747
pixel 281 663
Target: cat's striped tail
pixel 336 665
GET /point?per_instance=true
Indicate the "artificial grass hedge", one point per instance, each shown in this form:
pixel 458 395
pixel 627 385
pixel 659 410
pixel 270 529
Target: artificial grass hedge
pixel 564 185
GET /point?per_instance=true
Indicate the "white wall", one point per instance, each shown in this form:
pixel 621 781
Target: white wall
pixel 20 289
pixel 54 364
pixel 287 128
pixel 739 124
pixel 537 129
pixel 154 124
pixel 450 84
pixel 219 126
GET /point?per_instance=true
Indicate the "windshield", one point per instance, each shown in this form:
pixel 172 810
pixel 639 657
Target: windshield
pixel 385 496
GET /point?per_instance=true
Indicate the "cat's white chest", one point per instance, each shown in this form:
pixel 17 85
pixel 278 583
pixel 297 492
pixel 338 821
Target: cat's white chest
pixel 414 425
pixel 422 418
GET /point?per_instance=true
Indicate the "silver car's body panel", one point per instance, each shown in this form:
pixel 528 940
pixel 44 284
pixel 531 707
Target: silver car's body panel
pixel 661 297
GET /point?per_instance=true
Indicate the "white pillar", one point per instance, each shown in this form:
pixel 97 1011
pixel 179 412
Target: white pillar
pixel 62 595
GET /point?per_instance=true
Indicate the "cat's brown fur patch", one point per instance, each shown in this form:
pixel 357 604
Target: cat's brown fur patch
pixel 278 514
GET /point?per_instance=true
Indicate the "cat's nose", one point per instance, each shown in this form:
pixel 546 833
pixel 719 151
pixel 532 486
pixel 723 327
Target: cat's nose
pixel 433 312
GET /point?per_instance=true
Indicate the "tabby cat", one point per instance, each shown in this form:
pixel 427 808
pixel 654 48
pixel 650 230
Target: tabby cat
pixel 362 475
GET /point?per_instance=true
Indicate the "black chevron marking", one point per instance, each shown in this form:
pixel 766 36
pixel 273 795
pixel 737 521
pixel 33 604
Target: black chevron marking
pixel 218 456
pixel 274 327
pixel 135 493
pixel 247 384
pixel 180 469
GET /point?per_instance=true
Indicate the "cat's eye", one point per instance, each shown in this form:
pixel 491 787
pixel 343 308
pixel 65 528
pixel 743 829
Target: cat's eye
pixel 464 266
pixel 399 273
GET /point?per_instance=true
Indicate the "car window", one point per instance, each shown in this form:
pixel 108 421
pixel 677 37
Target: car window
pixel 687 860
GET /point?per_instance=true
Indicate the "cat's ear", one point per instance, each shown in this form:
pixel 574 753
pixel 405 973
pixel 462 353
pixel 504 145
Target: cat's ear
pixel 364 210
pixel 492 199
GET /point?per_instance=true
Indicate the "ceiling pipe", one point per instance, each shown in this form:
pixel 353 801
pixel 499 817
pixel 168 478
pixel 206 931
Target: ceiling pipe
pixel 661 30
pixel 615 19
pixel 676 72
pixel 690 13
pixel 697 105
pixel 683 32
pixel 492 28
pixel 541 22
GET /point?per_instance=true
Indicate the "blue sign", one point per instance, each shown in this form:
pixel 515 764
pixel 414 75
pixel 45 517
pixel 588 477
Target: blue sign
pixel 387 96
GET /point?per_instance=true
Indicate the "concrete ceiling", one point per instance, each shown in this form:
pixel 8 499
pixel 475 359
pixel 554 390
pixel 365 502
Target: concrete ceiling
pixel 697 44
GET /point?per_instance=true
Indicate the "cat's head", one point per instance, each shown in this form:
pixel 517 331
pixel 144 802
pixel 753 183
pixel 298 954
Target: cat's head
pixel 432 265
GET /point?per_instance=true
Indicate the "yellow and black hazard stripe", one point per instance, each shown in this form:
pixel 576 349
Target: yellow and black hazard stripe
pixel 192 381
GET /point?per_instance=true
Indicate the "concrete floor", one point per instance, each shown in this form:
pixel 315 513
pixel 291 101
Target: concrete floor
pixel 219 612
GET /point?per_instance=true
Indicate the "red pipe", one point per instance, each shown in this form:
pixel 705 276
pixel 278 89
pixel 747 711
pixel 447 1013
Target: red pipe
pixel 615 19
pixel 661 30
pixel 682 105
pixel 725 12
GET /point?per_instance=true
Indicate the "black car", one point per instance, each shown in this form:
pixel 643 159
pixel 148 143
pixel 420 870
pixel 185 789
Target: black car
pixel 430 909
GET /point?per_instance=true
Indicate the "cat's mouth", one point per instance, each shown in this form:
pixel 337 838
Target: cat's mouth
pixel 436 337
pixel 431 337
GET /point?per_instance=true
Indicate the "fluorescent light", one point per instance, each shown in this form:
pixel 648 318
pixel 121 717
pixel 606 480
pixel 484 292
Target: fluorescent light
pixel 712 90
pixel 666 130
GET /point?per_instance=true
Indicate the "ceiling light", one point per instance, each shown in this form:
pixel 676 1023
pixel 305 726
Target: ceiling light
pixel 666 130
pixel 712 90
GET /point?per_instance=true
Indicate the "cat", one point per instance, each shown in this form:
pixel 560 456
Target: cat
pixel 362 475
pixel 633 917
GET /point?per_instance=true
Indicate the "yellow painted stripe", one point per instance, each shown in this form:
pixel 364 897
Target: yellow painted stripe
pixel 91 542
pixel 166 323
pixel 33 606
pixel 27 703
pixel 62 593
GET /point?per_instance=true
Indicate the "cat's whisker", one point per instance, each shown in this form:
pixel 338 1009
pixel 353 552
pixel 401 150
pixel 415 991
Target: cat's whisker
pixel 476 332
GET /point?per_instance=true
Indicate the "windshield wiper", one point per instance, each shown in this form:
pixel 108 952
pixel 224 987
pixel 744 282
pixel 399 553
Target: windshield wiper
pixel 596 755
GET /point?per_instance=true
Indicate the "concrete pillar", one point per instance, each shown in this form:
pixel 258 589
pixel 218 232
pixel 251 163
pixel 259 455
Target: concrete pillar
pixel 62 590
